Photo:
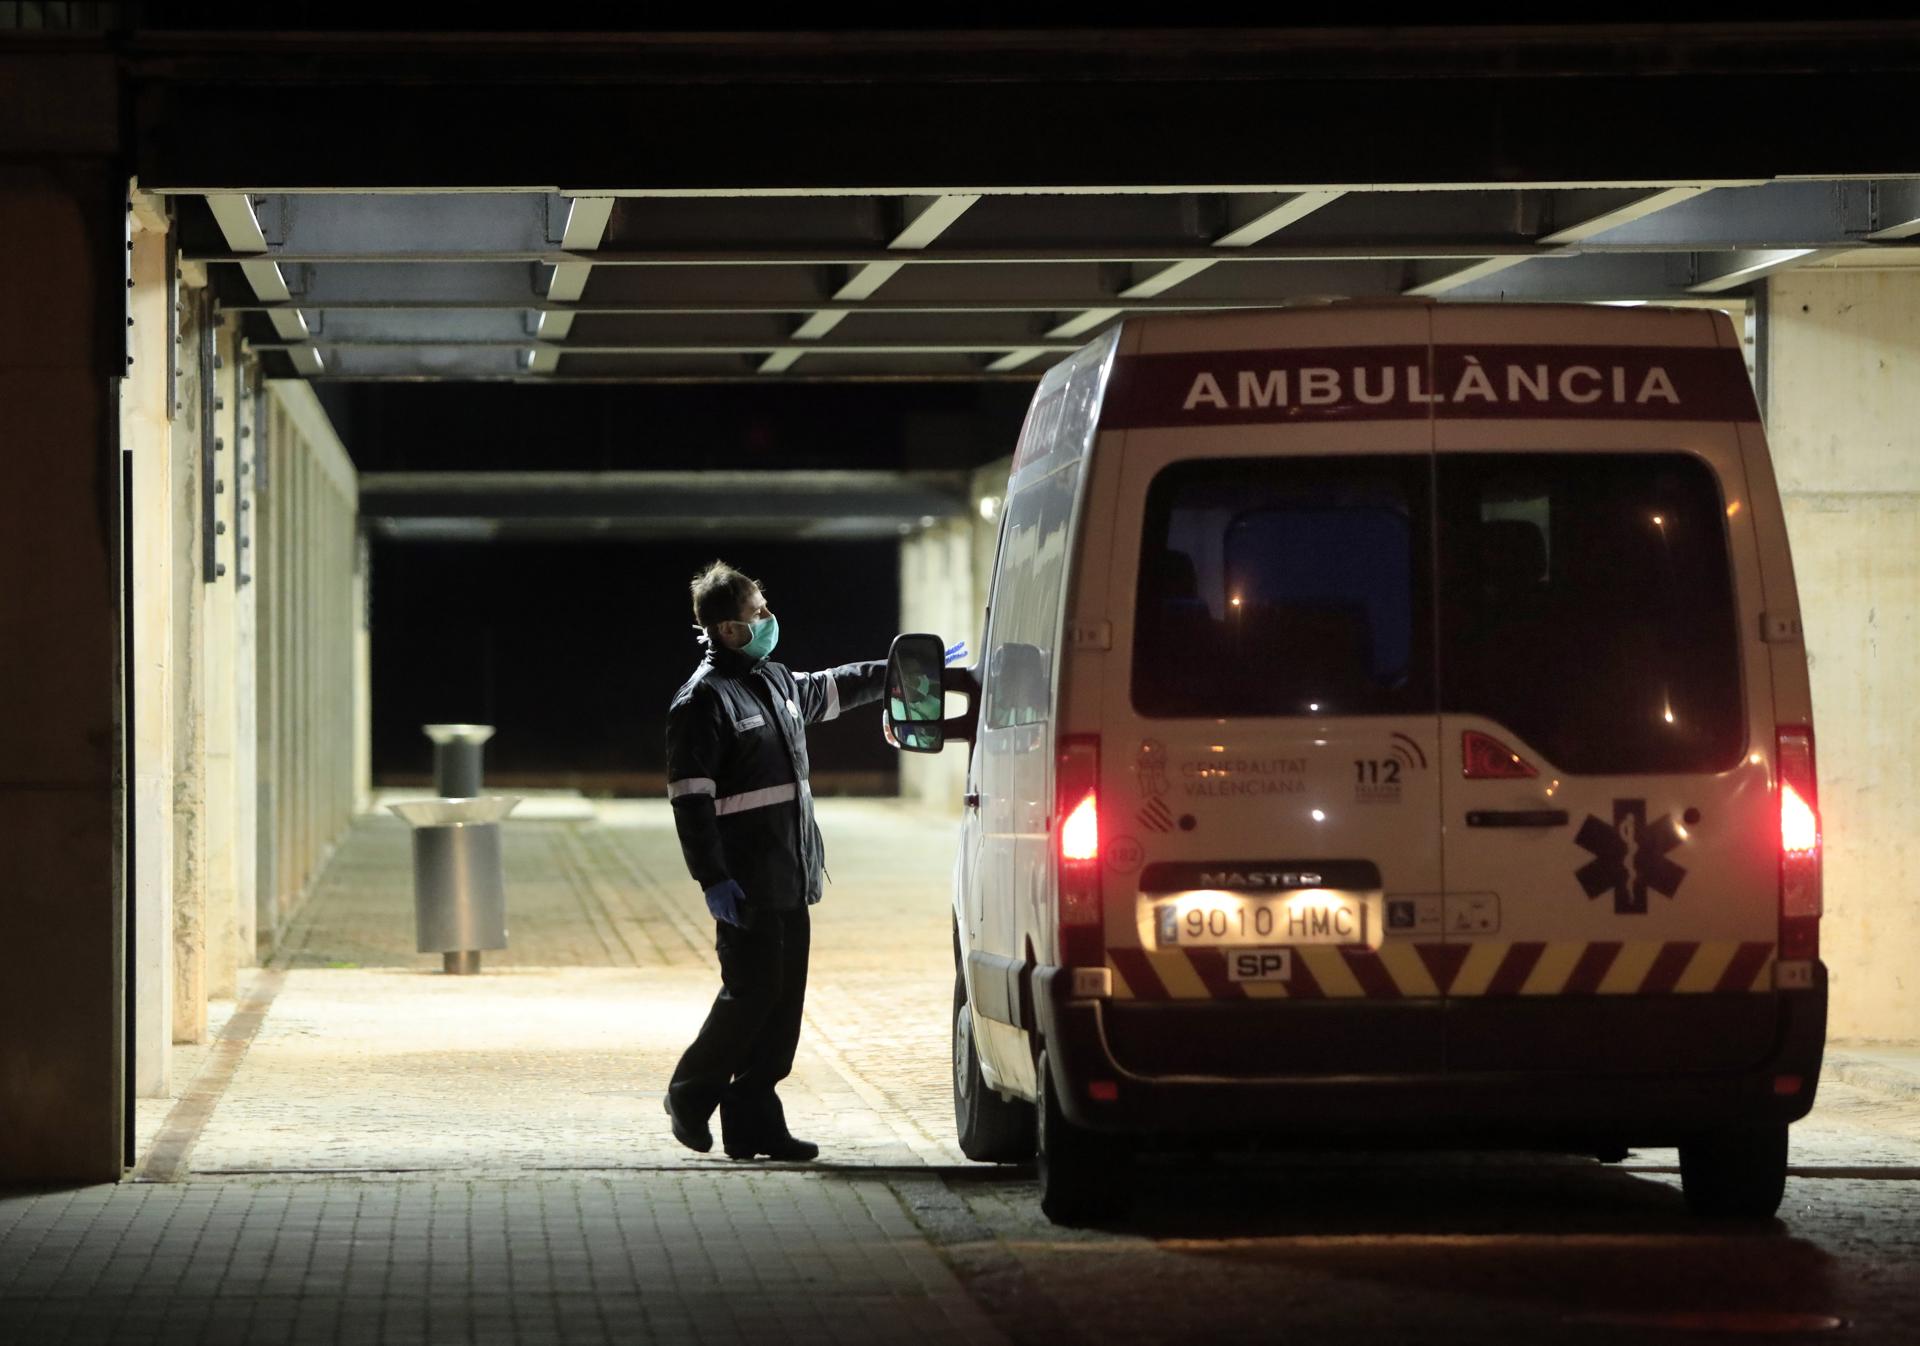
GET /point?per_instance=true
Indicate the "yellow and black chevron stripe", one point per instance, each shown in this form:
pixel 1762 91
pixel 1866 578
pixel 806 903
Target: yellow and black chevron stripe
pixel 1482 968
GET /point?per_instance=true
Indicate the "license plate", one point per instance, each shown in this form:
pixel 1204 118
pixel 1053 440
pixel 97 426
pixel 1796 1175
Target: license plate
pixel 1234 920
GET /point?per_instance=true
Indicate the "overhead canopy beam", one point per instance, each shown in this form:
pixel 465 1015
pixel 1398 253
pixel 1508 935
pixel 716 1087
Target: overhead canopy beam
pixel 929 220
pixel 1267 217
pixel 1564 239
pixel 1719 272
pixel 689 347
pixel 1894 210
pixel 240 226
pixel 455 284
pixel 454 505
pixel 585 225
pixel 1149 255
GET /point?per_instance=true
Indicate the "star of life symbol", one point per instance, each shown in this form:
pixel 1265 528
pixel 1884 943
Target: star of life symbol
pixel 1649 868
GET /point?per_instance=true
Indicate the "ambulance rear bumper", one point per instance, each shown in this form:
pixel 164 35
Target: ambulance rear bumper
pixel 1582 1071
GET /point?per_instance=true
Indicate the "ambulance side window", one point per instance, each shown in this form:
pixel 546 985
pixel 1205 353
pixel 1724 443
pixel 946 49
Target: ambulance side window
pixel 1026 602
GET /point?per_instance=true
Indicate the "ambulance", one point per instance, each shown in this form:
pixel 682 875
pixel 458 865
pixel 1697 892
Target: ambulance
pixel 1393 726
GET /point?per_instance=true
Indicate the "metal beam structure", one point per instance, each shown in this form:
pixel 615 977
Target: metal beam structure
pixel 551 286
pixel 959 204
pixel 654 506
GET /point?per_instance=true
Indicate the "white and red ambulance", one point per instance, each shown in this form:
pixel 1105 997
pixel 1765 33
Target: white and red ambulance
pixel 1393 724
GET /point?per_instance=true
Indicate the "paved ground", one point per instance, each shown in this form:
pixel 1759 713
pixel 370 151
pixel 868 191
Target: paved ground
pixel 373 1151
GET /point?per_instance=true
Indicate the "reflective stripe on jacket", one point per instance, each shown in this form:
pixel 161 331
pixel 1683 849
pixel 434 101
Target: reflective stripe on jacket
pixel 737 771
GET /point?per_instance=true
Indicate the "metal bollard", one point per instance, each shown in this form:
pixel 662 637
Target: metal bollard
pixel 459 878
pixel 456 758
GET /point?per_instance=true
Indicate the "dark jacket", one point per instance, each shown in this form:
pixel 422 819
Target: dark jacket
pixel 737 771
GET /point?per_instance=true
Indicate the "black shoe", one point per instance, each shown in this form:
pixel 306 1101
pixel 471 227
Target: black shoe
pixel 789 1149
pixel 695 1136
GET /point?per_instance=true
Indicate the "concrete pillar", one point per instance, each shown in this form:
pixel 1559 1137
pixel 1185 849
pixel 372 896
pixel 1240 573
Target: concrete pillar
pixel 1842 360
pixel 189 695
pixel 946 572
pixel 267 668
pixel 246 726
pixel 279 491
pixel 937 594
pixel 62 860
pixel 362 676
pixel 219 664
pixel 146 436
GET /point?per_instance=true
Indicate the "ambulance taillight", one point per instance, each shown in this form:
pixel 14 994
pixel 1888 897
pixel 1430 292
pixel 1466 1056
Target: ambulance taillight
pixel 1076 778
pixel 1800 902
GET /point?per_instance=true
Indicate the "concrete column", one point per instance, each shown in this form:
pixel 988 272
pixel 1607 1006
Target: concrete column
pixel 306 602
pixel 937 594
pixel 246 724
pixel 362 676
pixel 189 696
pixel 267 665
pixel 146 436
pixel 220 665
pixel 1842 352
pixel 279 493
pixel 62 860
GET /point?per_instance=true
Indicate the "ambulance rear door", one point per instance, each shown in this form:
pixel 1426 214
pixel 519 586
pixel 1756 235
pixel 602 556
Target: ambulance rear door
pixel 1610 830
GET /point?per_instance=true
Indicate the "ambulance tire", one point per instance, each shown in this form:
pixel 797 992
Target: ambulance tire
pixel 993 1129
pixel 1083 1174
pixel 1738 1173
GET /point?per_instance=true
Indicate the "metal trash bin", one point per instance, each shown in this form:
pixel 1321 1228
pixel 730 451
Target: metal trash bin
pixel 459 878
pixel 456 758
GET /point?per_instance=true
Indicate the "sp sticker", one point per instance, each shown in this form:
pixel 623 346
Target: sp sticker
pixel 1260 965
pixel 1629 857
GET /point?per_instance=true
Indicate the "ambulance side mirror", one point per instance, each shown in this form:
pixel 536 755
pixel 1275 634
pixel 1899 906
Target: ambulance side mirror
pixel 917 683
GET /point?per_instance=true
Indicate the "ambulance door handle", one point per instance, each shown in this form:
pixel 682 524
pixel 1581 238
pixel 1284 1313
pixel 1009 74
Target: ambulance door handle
pixel 1517 818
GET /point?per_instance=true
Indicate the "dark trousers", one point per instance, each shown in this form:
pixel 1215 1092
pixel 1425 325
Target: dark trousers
pixel 746 1046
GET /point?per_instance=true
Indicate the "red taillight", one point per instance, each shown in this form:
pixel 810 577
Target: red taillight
pixel 1799 829
pixel 1080 833
pixel 1484 757
pixel 1077 821
pixel 1800 901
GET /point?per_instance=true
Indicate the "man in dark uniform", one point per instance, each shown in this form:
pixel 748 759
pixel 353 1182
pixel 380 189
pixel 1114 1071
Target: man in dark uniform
pixel 737 776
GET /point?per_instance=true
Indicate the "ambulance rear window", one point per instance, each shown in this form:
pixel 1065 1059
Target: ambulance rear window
pixel 1586 603
pixel 1285 586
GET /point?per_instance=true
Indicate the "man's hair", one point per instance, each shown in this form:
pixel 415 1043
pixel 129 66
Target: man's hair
pixel 719 592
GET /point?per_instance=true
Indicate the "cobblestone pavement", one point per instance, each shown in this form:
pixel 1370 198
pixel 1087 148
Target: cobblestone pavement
pixel 402 1156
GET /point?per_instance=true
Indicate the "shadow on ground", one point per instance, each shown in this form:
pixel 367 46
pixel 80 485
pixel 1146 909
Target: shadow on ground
pixel 1399 1239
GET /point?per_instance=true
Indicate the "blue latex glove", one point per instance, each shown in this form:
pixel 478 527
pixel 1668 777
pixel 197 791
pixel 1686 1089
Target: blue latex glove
pixel 956 652
pixel 727 902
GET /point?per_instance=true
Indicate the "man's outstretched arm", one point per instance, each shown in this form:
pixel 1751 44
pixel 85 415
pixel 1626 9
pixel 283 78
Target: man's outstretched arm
pixel 824 695
pixel 693 761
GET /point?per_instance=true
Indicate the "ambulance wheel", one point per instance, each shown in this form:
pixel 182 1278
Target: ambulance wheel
pixel 1083 1174
pixel 993 1129
pixel 1737 1173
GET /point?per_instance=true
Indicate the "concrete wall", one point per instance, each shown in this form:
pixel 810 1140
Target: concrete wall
pixel 945 573
pixel 62 864
pixel 1843 418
